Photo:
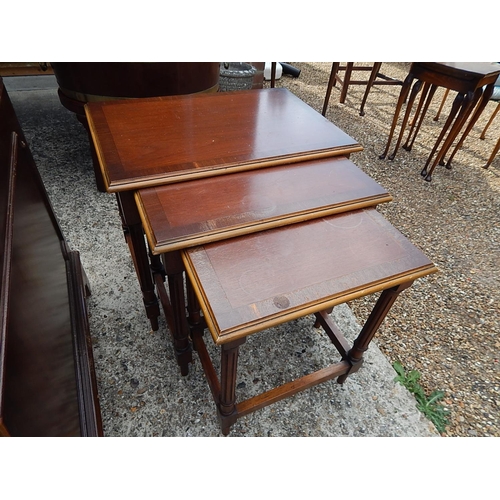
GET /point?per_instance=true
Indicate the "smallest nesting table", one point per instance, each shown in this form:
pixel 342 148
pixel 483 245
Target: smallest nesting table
pixel 248 284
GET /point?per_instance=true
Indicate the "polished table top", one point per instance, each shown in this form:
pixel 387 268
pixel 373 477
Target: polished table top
pixel 253 282
pixel 189 213
pixel 147 142
pixel 458 76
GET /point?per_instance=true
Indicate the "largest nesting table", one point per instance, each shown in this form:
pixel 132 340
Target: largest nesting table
pixel 233 188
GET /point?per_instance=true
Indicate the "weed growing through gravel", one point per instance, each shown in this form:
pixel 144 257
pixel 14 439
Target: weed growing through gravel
pixel 429 406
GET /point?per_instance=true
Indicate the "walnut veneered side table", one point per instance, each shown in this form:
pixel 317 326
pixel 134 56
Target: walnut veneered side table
pixel 248 284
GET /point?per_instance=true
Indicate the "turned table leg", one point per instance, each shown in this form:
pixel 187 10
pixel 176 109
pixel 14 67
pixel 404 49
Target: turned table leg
pixel 227 398
pixel 134 236
pixel 195 320
pixel 405 89
pixel 378 314
pixel 175 275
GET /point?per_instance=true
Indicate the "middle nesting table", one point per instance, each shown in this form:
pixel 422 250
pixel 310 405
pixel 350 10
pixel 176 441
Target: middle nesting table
pixel 182 215
pixel 163 140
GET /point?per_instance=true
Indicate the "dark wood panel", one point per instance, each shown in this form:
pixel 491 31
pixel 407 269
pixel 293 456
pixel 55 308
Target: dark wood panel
pixel 253 282
pixel 147 142
pixel 194 212
pixel 47 382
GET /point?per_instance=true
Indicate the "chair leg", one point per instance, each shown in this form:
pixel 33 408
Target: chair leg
pixel 446 92
pixel 347 80
pixel 373 76
pixel 493 154
pixel 331 83
pixel 483 133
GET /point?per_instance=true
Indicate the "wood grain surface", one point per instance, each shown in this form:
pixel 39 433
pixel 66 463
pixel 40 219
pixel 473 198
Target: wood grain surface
pixel 195 212
pixel 250 283
pixel 145 142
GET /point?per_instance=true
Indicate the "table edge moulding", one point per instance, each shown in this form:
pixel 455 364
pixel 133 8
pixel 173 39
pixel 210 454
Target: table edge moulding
pixel 190 213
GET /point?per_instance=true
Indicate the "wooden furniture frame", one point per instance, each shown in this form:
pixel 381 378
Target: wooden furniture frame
pixel 226 171
pixel 248 284
pixel 375 78
pixel 47 378
pixel 468 80
pixel 483 135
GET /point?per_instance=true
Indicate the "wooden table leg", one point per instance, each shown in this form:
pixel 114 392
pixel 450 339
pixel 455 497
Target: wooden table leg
pixel 413 94
pixel 196 321
pixel 134 235
pixel 378 314
pixel 405 89
pixel 438 114
pixel 470 103
pixel 227 399
pixel 174 268
pixel 427 94
pixel 483 98
pixel 462 105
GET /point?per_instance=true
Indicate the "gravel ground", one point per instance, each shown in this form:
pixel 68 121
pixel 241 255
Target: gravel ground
pixel 447 325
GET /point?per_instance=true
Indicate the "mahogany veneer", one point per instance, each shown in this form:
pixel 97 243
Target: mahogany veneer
pixel 147 142
pixel 248 284
pixel 190 213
